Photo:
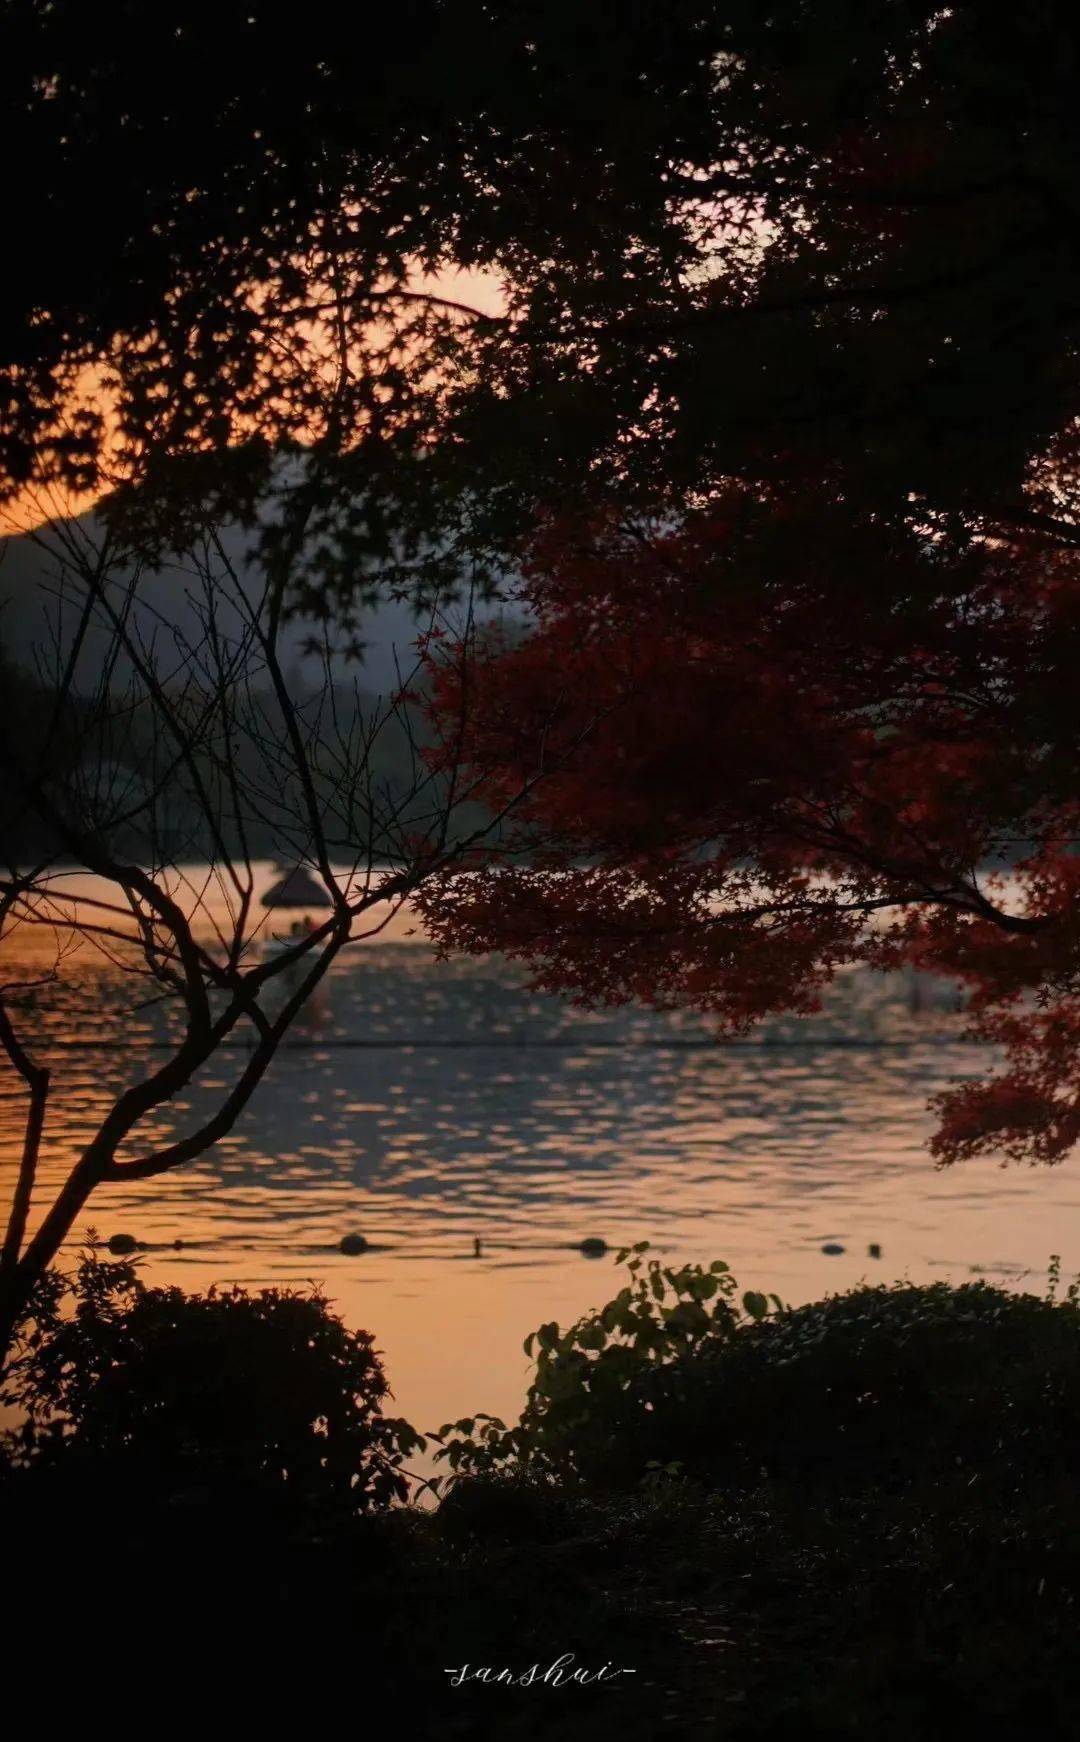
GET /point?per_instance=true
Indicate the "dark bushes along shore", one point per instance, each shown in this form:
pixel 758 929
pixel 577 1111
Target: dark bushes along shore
pixel 850 1518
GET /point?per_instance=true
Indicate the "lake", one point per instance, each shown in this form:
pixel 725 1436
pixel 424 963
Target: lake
pixel 475 1133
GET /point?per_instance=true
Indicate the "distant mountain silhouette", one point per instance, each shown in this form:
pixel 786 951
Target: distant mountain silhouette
pixel 29 605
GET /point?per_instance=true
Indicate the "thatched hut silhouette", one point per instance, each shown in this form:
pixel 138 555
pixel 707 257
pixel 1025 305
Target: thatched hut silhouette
pixel 297 888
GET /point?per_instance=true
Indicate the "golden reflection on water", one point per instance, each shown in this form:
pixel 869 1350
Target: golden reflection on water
pixel 428 1106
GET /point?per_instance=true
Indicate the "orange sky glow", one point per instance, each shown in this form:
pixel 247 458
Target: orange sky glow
pixel 43 501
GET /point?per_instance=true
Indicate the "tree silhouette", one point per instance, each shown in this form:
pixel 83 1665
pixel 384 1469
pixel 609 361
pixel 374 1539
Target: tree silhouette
pixel 816 742
pixel 729 241
pixel 172 757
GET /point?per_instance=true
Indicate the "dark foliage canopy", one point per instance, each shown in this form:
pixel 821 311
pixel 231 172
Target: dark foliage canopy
pixel 732 240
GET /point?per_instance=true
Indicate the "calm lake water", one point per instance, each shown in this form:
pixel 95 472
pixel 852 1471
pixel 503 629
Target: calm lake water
pixel 432 1105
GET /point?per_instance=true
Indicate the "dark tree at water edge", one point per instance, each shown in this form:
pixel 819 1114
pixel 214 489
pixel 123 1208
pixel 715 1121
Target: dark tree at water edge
pixel 185 745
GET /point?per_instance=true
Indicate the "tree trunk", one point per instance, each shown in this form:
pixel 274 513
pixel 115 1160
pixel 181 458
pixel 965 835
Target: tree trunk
pixel 18 1279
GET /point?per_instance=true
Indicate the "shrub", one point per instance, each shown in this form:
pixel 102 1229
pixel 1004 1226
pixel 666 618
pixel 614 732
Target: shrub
pixel 879 1386
pixel 225 1393
pixel 582 1399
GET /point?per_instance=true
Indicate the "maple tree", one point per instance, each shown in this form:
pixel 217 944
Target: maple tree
pixel 821 587
pixel 815 741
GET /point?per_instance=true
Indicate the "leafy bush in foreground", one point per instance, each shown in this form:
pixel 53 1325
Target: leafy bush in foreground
pixel 587 1376
pixel 227 1392
pixel 880 1385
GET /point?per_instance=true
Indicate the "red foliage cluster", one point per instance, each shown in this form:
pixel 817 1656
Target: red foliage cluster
pixel 774 739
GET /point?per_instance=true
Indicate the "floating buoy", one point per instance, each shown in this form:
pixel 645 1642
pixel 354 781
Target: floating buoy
pixel 352 1245
pixel 178 1245
pixel 121 1243
pixel 476 1246
pixel 832 1248
pixel 873 1250
pixel 593 1247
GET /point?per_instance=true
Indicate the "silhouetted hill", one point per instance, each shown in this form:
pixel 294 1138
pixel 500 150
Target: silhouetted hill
pixel 29 605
